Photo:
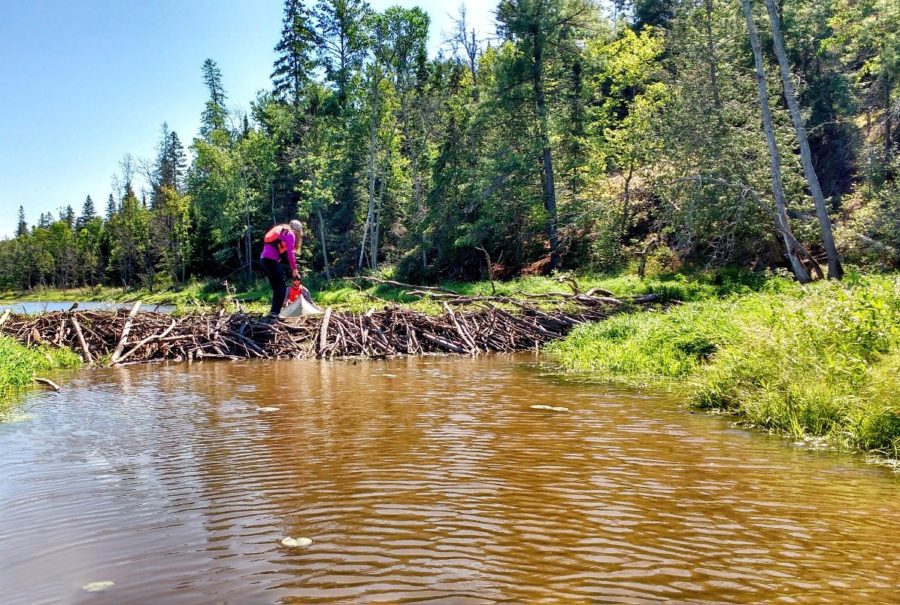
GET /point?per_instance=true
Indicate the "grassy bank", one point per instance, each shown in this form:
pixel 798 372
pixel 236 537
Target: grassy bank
pixel 350 295
pixel 19 365
pixel 815 361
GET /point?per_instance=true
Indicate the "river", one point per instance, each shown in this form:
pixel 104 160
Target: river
pixel 426 480
pixel 36 307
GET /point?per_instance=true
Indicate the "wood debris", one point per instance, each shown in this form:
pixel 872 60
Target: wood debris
pixel 126 337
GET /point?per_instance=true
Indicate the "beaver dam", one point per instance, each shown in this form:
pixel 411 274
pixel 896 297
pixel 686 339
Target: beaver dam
pixel 479 325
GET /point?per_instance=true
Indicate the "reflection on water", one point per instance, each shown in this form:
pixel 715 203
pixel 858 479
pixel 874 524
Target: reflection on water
pixel 34 308
pixel 422 480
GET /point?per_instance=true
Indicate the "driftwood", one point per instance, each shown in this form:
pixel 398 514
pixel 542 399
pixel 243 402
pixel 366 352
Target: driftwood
pixel 125 331
pixel 49 383
pixel 486 324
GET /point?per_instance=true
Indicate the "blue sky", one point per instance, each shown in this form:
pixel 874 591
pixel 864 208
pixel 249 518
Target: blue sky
pixel 85 82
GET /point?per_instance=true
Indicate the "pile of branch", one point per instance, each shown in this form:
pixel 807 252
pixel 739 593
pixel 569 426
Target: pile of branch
pixel 125 337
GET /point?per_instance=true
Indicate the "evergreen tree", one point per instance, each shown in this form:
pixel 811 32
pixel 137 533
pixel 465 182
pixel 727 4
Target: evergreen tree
pixel 214 115
pixel 87 211
pixel 67 216
pixel 22 227
pixel 538 28
pixel 294 65
pixel 111 208
pixel 171 164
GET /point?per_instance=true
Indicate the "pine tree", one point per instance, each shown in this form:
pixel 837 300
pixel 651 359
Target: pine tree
pixel 215 114
pixel 171 164
pixel 177 161
pixel 537 28
pixel 87 210
pixel 111 208
pixel 294 64
pixel 22 228
pixel 67 215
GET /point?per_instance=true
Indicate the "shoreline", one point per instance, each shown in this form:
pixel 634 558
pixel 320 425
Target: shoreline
pixel 820 361
pixel 815 362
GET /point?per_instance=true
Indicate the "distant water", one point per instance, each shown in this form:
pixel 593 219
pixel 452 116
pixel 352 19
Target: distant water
pixel 36 308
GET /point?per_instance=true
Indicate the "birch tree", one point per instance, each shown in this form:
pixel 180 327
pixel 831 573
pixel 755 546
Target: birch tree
pixel 835 271
pixel 784 225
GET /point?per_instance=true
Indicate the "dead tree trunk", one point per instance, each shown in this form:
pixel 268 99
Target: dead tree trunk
pixel 835 271
pixel 784 226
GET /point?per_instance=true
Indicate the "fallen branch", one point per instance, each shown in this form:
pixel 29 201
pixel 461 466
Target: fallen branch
pixel 134 310
pixel 49 383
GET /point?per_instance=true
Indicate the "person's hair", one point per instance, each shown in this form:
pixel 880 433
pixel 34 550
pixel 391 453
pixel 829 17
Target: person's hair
pixel 297 227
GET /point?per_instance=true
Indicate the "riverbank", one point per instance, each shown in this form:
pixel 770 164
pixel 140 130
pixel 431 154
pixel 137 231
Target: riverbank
pixel 360 295
pixel 355 296
pixel 19 365
pixel 817 361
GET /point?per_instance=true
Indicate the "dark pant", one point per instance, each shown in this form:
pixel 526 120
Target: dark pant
pixel 275 273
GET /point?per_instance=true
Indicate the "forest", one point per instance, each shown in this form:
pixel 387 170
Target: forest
pixel 577 136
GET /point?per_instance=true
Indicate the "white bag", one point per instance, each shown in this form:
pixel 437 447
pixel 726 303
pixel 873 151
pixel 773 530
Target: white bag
pixel 300 308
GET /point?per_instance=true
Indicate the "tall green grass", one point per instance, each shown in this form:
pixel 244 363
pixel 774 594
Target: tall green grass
pixel 20 364
pixel 821 360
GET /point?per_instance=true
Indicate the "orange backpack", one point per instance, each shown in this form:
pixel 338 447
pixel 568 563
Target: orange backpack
pixel 274 237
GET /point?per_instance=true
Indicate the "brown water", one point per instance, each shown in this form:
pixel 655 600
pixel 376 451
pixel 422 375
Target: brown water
pixel 427 481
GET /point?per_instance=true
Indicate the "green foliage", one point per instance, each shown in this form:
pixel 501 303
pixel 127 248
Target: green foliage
pixel 19 364
pixel 577 140
pixel 811 361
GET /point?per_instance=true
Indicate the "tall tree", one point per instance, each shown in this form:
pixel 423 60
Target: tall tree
pixel 111 207
pixel 342 40
pixel 784 225
pixel 67 215
pixel 294 62
pixel 88 212
pixel 215 114
pixel 537 27
pixel 835 271
pixel 22 227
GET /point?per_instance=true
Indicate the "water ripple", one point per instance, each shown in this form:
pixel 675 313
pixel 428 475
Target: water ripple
pixel 439 484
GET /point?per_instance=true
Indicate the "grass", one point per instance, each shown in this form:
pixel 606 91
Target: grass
pixel 347 295
pixel 814 361
pixel 20 364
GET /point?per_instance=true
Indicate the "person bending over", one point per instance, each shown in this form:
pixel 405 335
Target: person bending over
pixel 282 243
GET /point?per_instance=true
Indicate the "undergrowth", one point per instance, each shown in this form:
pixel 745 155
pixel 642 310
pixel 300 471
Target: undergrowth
pixel 820 360
pixel 19 365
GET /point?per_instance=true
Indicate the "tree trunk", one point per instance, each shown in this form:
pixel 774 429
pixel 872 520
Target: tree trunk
pixel 888 126
pixel 376 231
pixel 799 269
pixel 711 57
pixel 626 205
pixel 373 142
pixel 324 246
pixel 835 271
pixel 547 155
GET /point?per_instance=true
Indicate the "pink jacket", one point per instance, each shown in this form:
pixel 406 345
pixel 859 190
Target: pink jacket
pixel 271 252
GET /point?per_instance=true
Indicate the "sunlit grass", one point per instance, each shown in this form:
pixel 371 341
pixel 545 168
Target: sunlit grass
pixel 20 364
pixel 820 360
